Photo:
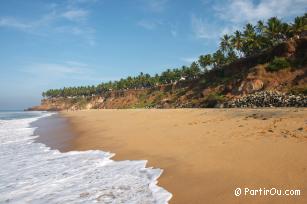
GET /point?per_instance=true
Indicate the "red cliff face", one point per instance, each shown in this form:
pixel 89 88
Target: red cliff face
pixel 243 77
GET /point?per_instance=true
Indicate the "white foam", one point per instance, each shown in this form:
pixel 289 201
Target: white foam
pixel 32 173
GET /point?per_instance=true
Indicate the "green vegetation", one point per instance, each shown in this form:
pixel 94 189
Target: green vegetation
pixel 160 95
pixel 213 99
pixel 299 90
pixel 252 40
pixel 278 63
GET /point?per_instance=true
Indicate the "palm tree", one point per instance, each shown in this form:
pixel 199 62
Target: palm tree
pixel 194 70
pixel 260 27
pixel 253 39
pixel 237 42
pixel 285 31
pixel 299 25
pixel 231 57
pixel 273 30
pixel 225 44
pixel 218 59
pixel 250 43
pixel 205 61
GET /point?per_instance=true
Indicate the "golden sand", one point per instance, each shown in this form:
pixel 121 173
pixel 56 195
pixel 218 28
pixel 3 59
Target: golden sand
pixel 205 153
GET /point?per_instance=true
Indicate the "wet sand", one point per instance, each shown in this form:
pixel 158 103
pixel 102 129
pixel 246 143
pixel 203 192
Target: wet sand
pixel 205 153
pixel 55 132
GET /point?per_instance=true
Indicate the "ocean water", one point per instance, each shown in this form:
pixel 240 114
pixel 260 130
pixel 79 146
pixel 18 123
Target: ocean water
pixel 32 173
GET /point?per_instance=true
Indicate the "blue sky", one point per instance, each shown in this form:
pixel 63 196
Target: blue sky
pixel 52 44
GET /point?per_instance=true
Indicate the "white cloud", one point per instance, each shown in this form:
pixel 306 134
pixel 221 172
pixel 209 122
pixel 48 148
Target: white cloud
pixel 52 69
pixel 173 29
pixel 189 60
pixel 241 11
pixel 86 33
pixel 75 14
pixel 75 63
pixel 153 24
pixel 70 69
pixel 146 24
pixel 73 2
pixel 203 29
pixel 14 23
pixel 30 25
pixel 149 24
pixel 231 15
pixel 75 30
pixel 52 22
pixel 155 5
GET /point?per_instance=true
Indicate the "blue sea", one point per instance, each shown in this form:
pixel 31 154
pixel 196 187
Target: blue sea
pixel 30 172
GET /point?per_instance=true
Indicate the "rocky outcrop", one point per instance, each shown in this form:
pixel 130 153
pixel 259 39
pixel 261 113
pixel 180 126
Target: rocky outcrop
pixel 58 104
pixel 251 86
pixel 268 99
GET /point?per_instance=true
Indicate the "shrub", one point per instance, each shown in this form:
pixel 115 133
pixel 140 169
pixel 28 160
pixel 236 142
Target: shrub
pixel 159 96
pixel 203 81
pixel 213 99
pixel 278 63
pixel 82 102
pixel 299 62
pixel 299 90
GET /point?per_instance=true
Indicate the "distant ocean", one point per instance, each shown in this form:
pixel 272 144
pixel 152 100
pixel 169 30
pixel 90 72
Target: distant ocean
pixel 33 173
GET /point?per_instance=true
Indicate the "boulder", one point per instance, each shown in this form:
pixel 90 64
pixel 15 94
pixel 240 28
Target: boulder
pixel 253 86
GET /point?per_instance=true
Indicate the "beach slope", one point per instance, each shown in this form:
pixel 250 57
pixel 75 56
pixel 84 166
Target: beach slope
pixel 205 153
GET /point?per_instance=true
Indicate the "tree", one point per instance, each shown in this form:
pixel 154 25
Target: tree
pixel 285 31
pixel 260 27
pixel 194 70
pixel 231 57
pixel 273 30
pixel 237 42
pixel 252 40
pixel 250 44
pixel 299 25
pixel 205 61
pixel 225 44
pixel 218 59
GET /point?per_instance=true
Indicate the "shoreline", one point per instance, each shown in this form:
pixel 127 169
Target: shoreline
pixel 32 172
pixel 54 131
pixel 204 153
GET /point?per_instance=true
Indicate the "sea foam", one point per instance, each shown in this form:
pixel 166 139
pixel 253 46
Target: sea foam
pixel 33 173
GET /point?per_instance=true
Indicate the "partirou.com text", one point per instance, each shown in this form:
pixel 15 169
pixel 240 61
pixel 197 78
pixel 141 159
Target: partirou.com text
pixel 266 192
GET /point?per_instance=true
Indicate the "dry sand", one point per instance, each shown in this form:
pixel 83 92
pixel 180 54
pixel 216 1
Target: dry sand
pixel 206 153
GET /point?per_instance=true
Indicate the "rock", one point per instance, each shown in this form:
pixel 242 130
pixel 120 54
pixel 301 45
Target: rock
pixel 219 105
pixel 240 88
pixel 206 92
pixel 268 99
pixel 253 86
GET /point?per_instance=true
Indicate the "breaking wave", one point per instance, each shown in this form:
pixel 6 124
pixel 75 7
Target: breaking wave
pixel 33 173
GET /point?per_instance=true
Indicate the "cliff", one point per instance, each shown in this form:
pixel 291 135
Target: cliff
pixel 281 70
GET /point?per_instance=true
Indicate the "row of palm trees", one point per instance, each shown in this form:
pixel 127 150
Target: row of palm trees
pixel 141 81
pixel 250 41
pixel 254 39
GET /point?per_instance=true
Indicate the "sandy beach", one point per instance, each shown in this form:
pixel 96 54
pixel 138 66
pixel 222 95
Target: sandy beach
pixel 205 153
